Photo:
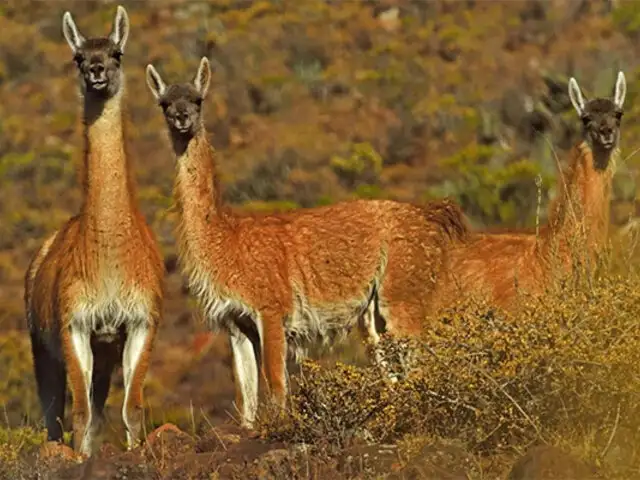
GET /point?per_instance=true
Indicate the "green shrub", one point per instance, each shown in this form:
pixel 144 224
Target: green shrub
pixel 626 17
pixel 364 163
pixel 489 188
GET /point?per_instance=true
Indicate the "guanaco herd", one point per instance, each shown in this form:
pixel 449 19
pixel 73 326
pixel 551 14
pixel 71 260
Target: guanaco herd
pixel 275 283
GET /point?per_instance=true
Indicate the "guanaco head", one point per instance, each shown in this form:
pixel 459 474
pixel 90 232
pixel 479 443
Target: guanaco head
pixel 601 116
pixel 181 102
pixel 99 58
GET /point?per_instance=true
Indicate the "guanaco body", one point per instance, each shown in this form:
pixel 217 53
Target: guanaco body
pixel 293 278
pixel 93 291
pixel 498 265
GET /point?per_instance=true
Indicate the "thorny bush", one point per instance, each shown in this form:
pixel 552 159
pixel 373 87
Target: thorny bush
pixel 564 367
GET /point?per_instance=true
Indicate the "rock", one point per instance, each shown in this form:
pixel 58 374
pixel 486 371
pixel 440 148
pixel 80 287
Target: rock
pixel 439 460
pixel 170 441
pixel 366 460
pixel 549 463
pixel 390 19
pixel 57 450
pixel 216 440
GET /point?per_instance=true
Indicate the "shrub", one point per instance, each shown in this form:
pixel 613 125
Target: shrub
pixel 490 188
pixel 363 164
pixel 626 17
pixel 17 384
pixel 563 367
pixel 15 444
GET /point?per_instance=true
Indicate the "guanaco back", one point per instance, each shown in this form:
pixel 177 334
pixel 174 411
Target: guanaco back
pixel 299 277
pixel 498 265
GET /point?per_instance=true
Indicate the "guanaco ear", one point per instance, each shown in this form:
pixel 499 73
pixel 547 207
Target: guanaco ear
pixel 576 96
pixel 71 33
pixel 120 31
pixel 203 77
pixel 155 83
pixel 621 90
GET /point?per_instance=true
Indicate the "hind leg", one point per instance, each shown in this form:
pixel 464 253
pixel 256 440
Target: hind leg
pixel 370 329
pixel 51 379
pixel 106 356
pixel 403 321
pixel 135 363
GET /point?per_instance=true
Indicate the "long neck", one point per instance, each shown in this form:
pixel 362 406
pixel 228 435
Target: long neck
pixel 581 208
pixel 203 220
pixel 107 178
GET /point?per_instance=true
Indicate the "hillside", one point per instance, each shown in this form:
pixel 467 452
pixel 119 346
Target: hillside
pixel 312 102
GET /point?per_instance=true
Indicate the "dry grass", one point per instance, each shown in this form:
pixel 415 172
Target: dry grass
pixel 563 372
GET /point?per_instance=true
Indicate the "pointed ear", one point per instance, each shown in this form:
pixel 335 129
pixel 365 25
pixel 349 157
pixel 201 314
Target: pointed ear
pixel 155 83
pixel 203 76
pixel 120 31
pixel 621 90
pixel 71 33
pixel 576 96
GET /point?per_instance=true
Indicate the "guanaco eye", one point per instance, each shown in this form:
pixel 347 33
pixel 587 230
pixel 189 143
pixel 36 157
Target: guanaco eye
pixel 198 102
pixel 164 105
pixel 619 115
pixel 78 58
pixel 117 55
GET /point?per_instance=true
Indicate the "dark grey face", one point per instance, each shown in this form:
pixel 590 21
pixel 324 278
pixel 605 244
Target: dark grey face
pixel 182 106
pixel 181 103
pixel 601 119
pixel 99 65
pixel 99 58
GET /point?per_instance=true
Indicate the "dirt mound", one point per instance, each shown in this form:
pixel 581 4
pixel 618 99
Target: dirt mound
pixel 547 463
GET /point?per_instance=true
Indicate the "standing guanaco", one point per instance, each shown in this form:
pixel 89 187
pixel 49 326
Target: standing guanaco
pixel 93 291
pixel 498 265
pixel 304 276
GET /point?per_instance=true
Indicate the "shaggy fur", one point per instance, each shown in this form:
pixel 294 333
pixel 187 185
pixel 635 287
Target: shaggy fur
pixel 289 279
pixel 499 265
pixel 93 292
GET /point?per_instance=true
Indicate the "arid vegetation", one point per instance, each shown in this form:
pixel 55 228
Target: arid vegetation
pixel 313 102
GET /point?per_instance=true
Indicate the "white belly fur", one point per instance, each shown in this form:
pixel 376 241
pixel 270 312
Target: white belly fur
pixel 325 325
pixel 106 310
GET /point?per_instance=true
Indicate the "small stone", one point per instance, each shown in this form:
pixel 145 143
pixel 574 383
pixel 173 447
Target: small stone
pixel 58 450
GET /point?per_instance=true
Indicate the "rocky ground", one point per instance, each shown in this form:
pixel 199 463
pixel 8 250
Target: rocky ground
pixel 227 452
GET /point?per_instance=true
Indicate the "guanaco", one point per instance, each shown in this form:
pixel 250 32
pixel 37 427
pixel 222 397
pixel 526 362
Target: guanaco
pixel 288 279
pixel 498 265
pixel 93 291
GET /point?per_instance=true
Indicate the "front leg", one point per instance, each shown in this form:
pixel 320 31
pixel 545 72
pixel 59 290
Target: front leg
pixel 135 363
pixel 76 346
pixel 245 371
pixel 275 356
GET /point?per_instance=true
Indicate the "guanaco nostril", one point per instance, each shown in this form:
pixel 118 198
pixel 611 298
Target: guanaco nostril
pixel 97 69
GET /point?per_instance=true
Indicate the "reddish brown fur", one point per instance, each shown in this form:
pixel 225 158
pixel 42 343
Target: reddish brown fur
pixel 498 265
pixel 332 253
pixel 105 254
pixel 303 273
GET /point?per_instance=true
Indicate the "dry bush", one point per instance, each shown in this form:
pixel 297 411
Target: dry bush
pixel 565 367
pixel 17 447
